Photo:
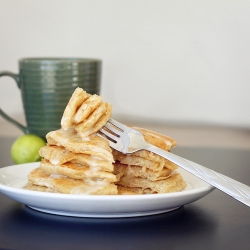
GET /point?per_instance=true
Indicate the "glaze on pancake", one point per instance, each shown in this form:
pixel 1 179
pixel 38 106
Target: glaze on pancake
pixel 58 155
pixel 93 145
pixel 77 171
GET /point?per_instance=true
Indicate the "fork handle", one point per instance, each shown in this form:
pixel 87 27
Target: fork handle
pixel 237 190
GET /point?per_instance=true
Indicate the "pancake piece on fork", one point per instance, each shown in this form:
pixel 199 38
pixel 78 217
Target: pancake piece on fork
pixel 86 113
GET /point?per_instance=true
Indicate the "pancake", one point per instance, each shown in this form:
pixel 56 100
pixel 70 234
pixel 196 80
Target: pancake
pixel 87 108
pixel 60 155
pixel 93 145
pixel 92 119
pixel 76 171
pixel 138 171
pixel 145 159
pixel 86 113
pixel 144 172
pixel 66 185
pixel 173 183
pixel 76 160
pixel 76 100
pixel 31 186
pixel 128 191
pixel 161 141
pixel 98 125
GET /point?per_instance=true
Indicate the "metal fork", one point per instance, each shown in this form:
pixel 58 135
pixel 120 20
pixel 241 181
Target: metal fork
pixel 128 140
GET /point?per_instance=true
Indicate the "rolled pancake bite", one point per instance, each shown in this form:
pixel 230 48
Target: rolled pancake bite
pixel 86 113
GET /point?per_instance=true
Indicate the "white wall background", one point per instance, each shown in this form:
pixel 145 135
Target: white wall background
pixel 165 60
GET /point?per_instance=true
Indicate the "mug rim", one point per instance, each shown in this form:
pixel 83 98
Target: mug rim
pixel 58 60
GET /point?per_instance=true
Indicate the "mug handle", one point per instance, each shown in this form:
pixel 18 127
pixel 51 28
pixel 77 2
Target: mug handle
pixel 3 114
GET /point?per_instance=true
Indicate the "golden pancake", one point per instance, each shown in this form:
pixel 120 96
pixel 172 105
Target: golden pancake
pixel 60 155
pixel 85 112
pixel 92 119
pixel 76 100
pixel 76 171
pixel 98 125
pixel 144 159
pixel 137 171
pixel 161 141
pixel 31 186
pixel 68 185
pixel 87 108
pixel 128 191
pixel 93 145
pixel 173 183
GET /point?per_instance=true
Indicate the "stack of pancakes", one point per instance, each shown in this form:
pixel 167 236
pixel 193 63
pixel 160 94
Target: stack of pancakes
pixel 144 172
pixel 76 160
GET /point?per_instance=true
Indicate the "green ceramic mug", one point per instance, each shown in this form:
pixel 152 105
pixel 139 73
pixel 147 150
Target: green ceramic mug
pixel 46 85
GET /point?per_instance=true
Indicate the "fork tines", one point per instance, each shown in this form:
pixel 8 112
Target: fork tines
pixel 112 130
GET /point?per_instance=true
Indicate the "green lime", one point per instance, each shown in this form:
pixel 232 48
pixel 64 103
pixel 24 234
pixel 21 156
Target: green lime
pixel 26 148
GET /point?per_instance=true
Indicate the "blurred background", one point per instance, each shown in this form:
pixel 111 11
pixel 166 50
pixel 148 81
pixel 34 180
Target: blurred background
pixel 168 62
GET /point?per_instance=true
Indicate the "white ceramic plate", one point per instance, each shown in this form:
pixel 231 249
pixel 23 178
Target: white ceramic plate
pixel 14 178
